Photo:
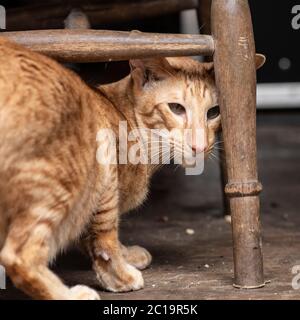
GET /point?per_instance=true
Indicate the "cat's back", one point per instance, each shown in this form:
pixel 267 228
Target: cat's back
pixel 47 128
pixel 17 58
pixel 26 73
pixel 37 97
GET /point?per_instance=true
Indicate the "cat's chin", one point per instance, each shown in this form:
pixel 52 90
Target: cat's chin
pixel 187 166
pixel 191 162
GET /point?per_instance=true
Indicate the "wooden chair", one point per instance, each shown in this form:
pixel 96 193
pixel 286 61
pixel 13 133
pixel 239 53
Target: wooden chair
pixel 232 48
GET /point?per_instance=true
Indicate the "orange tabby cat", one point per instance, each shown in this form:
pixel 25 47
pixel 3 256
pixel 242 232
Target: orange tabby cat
pixel 52 188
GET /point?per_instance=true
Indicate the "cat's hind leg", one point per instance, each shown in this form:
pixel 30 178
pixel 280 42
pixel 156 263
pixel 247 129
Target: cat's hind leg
pixel 25 256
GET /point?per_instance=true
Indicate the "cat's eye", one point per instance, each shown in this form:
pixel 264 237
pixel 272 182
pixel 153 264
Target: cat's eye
pixel 213 113
pixel 177 108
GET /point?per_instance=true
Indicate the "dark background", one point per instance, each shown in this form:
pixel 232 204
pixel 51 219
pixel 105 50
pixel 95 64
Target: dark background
pixel 276 38
pixel 274 34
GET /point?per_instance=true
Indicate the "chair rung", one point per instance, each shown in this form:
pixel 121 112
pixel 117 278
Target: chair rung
pixel 102 45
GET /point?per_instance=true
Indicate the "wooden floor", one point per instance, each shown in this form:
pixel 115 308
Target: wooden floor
pixel 199 266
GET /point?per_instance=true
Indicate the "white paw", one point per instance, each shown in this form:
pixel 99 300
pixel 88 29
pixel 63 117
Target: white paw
pixel 138 280
pixel 80 292
pixel 128 279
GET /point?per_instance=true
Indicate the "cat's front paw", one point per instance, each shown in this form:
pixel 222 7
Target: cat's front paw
pixel 137 256
pixel 80 292
pixel 118 275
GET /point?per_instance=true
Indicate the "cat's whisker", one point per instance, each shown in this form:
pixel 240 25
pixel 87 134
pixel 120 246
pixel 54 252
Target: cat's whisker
pixel 176 167
pixel 161 154
pixel 218 142
pixel 218 148
pixel 215 157
pixel 166 144
pixel 211 158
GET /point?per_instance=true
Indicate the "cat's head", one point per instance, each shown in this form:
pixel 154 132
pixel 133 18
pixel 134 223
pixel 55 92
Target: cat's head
pixel 178 93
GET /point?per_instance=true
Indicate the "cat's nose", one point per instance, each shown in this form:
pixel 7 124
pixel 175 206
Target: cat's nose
pixel 199 148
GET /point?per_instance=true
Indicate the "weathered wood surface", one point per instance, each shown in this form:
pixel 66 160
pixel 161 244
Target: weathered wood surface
pixel 234 60
pixel 51 16
pixel 101 45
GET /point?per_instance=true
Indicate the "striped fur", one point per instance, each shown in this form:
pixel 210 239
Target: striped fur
pixel 52 189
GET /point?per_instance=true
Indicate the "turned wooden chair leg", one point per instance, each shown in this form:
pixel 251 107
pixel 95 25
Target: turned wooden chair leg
pixel 224 179
pixel 234 60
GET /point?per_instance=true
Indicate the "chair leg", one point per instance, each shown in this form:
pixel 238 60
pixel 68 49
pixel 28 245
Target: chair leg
pixel 234 60
pixel 224 180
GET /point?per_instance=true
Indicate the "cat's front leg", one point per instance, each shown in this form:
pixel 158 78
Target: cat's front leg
pixel 113 271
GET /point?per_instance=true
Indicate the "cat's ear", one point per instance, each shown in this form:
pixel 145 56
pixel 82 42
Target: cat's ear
pixel 260 60
pixel 149 70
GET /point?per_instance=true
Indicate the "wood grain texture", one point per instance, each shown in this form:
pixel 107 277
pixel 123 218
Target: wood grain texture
pixel 224 179
pixel 234 60
pixel 101 45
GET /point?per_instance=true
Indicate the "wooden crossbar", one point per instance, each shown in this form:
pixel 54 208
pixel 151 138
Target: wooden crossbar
pixel 101 45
